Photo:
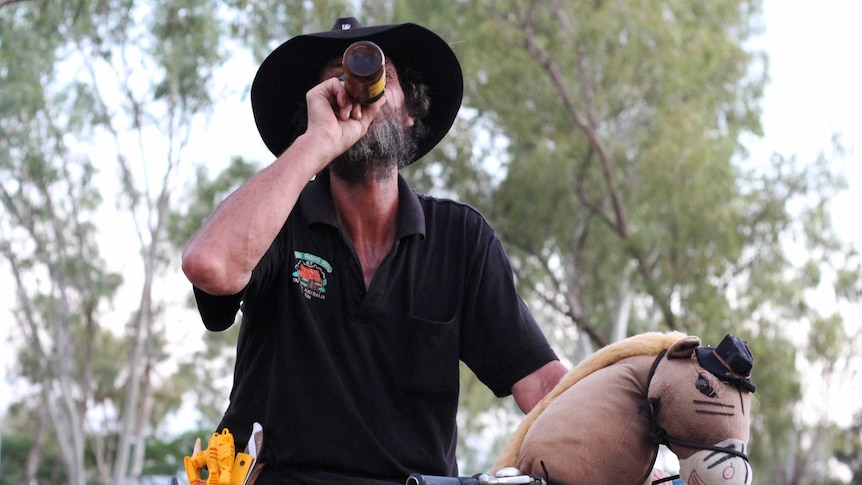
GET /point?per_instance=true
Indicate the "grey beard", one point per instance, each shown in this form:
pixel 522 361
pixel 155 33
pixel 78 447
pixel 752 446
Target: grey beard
pixel 386 145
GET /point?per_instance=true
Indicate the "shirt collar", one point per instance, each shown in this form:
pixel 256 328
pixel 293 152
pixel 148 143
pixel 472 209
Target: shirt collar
pixel 318 207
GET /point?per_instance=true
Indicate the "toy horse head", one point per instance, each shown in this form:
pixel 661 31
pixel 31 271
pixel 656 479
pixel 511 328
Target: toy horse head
pixel 604 421
pixel 699 405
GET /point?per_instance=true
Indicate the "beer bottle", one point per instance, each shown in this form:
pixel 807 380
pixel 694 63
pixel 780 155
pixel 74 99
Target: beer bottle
pixel 364 71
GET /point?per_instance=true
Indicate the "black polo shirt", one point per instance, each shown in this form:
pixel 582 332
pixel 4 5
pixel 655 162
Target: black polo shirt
pixel 362 387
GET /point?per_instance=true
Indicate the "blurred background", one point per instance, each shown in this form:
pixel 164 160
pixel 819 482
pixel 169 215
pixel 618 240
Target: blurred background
pixel 649 165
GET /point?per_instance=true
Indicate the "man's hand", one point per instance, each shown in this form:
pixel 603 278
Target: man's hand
pixel 335 120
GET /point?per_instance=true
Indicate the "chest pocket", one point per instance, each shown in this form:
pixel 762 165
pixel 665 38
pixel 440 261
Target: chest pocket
pixel 429 356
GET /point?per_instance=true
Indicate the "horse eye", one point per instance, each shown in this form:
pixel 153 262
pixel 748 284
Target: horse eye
pixel 704 387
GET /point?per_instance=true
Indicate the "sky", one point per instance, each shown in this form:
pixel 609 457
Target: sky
pixel 816 89
pixel 815 92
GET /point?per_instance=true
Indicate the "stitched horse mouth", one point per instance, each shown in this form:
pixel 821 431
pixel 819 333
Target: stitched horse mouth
pixel 709 466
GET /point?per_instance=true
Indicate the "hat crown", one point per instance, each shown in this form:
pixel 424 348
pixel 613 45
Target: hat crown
pixel 735 352
pixel 731 361
pixel 346 23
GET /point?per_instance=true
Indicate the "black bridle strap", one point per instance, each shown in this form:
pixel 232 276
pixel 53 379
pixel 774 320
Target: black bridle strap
pixel 547 476
pixel 653 368
pixel 648 406
pixel 699 446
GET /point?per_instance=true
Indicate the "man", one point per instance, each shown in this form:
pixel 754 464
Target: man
pixel 359 296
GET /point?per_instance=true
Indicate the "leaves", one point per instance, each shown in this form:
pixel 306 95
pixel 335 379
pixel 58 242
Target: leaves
pixel 624 179
pixel 604 141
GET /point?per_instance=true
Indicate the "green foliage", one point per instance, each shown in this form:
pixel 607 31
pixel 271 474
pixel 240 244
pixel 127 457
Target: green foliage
pixel 624 177
pixel 187 47
pixel 849 448
pixel 206 375
pixel 15 453
pixel 262 25
pixel 73 68
pixel 203 197
pixel 49 198
pixel 628 128
pixel 164 455
pixel 602 139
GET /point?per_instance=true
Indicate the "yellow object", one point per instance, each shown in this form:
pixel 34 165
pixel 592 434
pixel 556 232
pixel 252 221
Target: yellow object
pixel 241 467
pixel 193 465
pixel 224 465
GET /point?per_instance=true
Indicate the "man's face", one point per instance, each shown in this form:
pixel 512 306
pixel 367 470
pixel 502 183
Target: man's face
pixel 387 145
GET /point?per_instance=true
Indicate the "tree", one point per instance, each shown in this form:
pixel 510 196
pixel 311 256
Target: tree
pixel 135 84
pixel 612 165
pixel 849 448
pixel 48 231
pixel 602 139
pixel 183 38
pixel 203 369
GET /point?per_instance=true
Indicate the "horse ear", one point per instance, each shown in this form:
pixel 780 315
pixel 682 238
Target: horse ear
pixel 683 348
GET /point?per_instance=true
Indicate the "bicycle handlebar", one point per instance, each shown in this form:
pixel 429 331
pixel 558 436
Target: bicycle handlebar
pixel 419 479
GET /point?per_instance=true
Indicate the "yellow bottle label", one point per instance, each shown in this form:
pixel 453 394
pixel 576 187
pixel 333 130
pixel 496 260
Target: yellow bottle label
pixel 376 89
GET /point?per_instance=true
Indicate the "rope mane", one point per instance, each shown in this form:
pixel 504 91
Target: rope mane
pixel 650 343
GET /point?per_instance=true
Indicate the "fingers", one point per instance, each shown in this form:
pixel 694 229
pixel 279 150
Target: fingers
pixel 334 119
pixel 332 92
pixel 347 109
pixel 372 109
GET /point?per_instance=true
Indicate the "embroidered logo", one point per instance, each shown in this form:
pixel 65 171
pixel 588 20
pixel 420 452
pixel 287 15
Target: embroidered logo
pixel 310 273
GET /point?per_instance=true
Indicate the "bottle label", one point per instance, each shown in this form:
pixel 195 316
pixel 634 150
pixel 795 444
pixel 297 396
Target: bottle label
pixel 375 90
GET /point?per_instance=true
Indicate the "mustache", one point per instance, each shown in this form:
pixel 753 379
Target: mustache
pixel 387 145
pixel 386 138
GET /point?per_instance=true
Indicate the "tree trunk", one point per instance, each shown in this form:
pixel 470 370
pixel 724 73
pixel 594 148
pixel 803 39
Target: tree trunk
pixel 35 455
pixel 128 422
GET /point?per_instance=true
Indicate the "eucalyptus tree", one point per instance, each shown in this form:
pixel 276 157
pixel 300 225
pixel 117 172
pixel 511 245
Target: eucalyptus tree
pixel 89 87
pixel 49 238
pixel 605 141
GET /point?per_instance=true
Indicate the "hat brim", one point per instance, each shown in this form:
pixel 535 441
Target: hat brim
pixel 707 359
pixel 293 68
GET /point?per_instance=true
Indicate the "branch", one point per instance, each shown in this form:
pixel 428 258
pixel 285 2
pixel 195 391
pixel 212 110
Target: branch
pixel 3 3
pixel 586 119
pixel 580 322
pixel 581 189
pixel 574 309
pixel 589 126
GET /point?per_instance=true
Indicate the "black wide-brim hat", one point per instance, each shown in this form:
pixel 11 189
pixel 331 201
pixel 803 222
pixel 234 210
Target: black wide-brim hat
pixel 293 68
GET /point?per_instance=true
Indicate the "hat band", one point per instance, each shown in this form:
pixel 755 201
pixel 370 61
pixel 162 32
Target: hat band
pixel 728 367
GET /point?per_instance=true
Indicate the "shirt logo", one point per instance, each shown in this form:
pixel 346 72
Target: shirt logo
pixel 310 273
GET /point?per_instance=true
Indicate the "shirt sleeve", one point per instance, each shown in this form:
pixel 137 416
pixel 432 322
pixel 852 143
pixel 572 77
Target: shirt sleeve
pixel 217 312
pixel 501 341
